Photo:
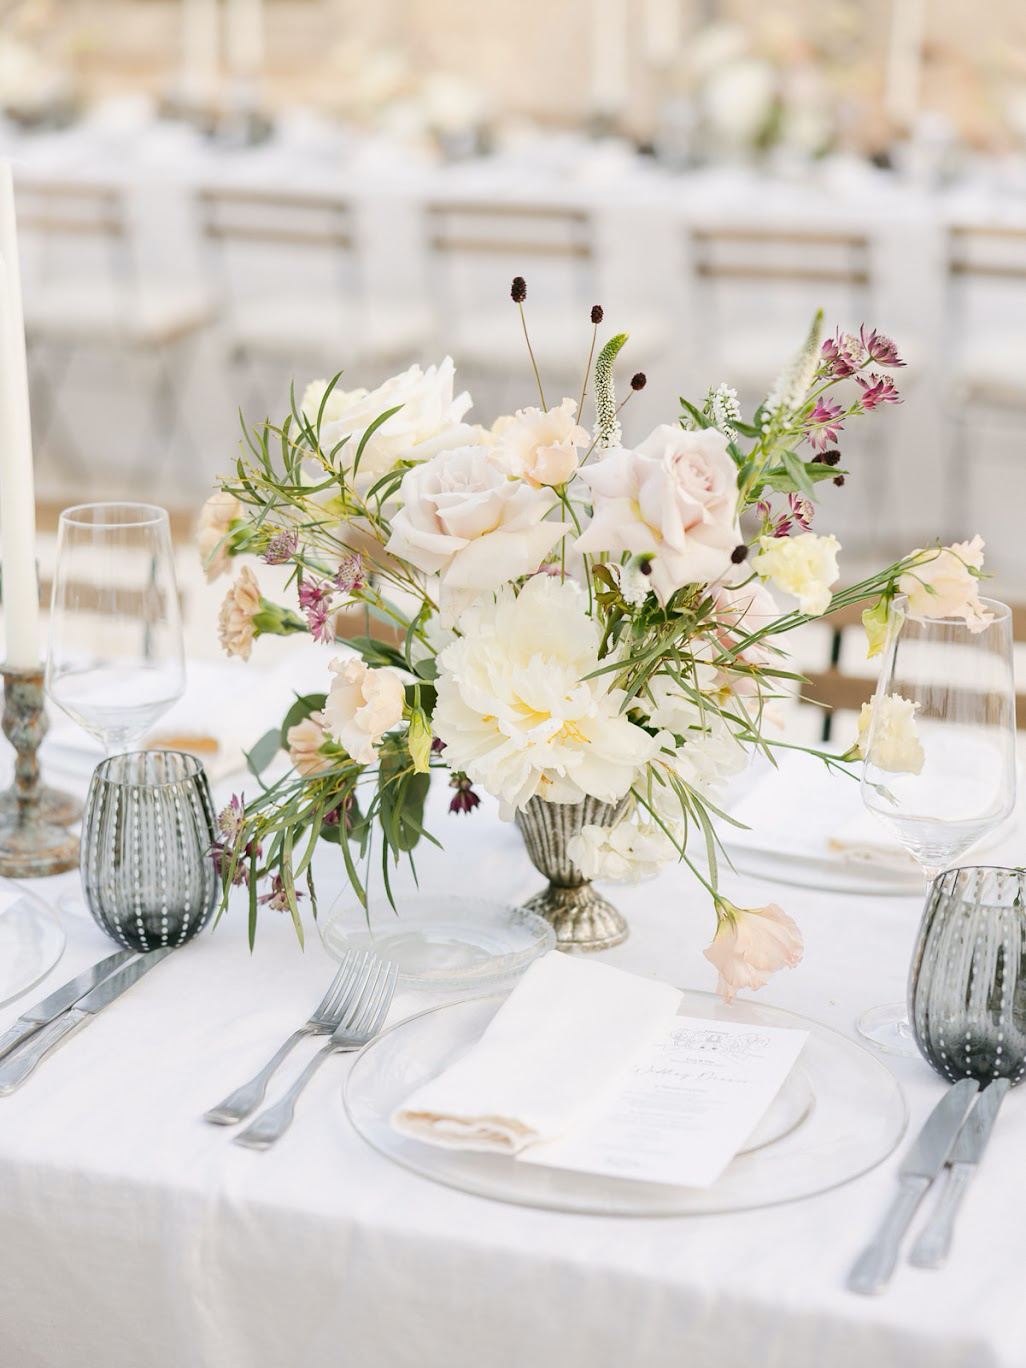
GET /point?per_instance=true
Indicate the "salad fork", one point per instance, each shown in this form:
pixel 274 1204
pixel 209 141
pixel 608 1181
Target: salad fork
pixel 361 1026
pixel 331 1010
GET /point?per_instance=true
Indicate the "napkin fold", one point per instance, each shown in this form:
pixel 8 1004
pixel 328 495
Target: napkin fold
pixel 560 1045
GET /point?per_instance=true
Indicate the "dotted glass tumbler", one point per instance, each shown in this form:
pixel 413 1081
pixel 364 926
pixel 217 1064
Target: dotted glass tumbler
pixel 967 986
pixel 148 828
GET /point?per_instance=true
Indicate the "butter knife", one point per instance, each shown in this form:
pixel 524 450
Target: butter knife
pixel 933 1244
pixel 14 1071
pixel 43 1012
pixel 920 1166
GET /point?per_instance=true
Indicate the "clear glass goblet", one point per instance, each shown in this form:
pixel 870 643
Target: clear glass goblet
pixel 940 766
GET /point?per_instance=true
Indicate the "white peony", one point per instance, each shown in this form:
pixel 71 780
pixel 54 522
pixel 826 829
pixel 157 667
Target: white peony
pixel 674 499
pixel 887 735
pixel 516 710
pixel 429 418
pixel 464 520
pixel 943 584
pixel 362 705
pixel 625 853
pixel 540 445
pixel 805 566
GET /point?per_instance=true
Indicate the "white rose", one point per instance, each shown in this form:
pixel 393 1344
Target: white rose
pixel 362 705
pixel 943 584
pixel 464 520
pixel 805 566
pixel 516 707
pixel 674 499
pixel 887 727
pixel 541 445
pixel 429 418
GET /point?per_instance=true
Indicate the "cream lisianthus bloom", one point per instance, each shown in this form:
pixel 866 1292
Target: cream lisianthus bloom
pixel 235 626
pixel 516 709
pixel 673 499
pixel 362 705
pixel 540 445
pixel 943 584
pixel 805 566
pixel 429 419
pixel 463 519
pixel 216 517
pixel 887 735
pixel 751 944
pixel 305 740
pixel 625 853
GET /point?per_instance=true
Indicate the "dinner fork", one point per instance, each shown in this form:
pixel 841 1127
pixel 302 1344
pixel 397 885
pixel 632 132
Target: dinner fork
pixel 361 1025
pixel 330 1011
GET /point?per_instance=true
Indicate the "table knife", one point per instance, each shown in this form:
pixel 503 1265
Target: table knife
pixel 933 1244
pixel 43 1012
pixel 928 1155
pixel 15 1070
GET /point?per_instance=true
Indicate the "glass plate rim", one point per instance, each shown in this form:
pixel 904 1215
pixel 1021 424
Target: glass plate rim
pixel 469 1187
pixel 43 910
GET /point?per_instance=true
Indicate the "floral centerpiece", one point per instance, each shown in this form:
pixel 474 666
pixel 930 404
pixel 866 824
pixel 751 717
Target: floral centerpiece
pixel 581 627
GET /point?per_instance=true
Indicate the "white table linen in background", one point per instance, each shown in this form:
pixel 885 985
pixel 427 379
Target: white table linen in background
pixel 136 1236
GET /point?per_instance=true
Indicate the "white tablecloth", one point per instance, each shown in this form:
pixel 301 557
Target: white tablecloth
pixel 136 1236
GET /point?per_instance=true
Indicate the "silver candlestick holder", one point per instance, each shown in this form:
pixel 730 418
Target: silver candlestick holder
pixel 34 840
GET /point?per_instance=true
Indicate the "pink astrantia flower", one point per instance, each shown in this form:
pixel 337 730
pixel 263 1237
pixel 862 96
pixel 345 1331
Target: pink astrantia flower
pixel 843 355
pixel 349 575
pixel 823 424
pixel 780 528
pixel 464 799
pixel 750 945
pixel 801 511
pixel 312 592
pixel 276 899
pixel 320 620
pixel 878 389
pixel 232 818
pixel 880 348
pixel 281 548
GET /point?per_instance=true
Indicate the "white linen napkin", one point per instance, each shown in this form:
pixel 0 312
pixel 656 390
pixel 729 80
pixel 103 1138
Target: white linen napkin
pixel 559 1046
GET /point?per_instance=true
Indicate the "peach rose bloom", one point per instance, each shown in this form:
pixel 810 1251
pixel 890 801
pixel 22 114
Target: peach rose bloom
pixel 216 515
pixel 540 446
pixel 305 740
pixel 750 945
pixel 235 622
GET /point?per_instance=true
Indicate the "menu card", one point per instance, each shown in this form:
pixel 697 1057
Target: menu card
pixel 692 1099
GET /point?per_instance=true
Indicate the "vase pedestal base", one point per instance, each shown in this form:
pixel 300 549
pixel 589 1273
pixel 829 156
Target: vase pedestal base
pixel 581 918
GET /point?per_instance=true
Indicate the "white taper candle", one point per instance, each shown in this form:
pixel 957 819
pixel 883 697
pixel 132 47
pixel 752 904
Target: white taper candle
pixel 17 490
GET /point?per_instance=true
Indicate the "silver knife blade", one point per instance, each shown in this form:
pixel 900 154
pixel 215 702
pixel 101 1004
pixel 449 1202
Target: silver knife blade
pixel 934 1142
pixel 66 996
pixel 976 1128
pixel 121 981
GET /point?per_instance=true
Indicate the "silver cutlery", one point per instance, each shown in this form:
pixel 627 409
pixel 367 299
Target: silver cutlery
pixel 920 1166
pixel 361 1026
pixel 59 1001
pixel 327 1015
pixel 15 1070
pixel 933 1244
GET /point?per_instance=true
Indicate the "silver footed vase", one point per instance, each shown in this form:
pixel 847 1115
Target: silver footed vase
pixel 581 917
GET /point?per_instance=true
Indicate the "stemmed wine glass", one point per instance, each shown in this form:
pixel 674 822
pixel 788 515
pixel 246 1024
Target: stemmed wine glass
pixel 940 750
pixel 115 660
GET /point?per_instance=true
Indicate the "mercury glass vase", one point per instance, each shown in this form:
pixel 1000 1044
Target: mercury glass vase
pixel 149 826
pixel 581 917
pixel 967 986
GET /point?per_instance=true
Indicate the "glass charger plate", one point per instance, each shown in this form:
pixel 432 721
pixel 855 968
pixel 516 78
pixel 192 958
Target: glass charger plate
pixel 31 940
pixel 840 1114
pixel 443 943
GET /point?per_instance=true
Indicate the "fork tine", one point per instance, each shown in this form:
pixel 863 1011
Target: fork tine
pixel 356 1005
pixel 345 971
pixel 372 1003
pixel 350 1006
pixel 384 1001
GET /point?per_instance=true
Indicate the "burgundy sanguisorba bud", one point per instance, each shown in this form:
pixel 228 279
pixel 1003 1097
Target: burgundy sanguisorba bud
pixel 518 290
pixel 838 480
pixel 639 381
pixel 597 314
pixel 739 554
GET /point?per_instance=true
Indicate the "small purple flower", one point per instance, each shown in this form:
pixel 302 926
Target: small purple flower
pixel 823 424
pixel 880 348
pixel 843 355
pixel 232 818
pixel 349 575
pixel 801 510
pixel 464 799
pixel 320 619
pixel 281 548
pixel 333 818
pixel 276 899
pixel 313 592
pixel 878 389
pixel 780 528
pixel 222 859
pixel 437 745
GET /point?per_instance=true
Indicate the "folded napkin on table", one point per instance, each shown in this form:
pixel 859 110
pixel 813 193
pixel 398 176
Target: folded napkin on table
pixel 559 1046
pixel 862 840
